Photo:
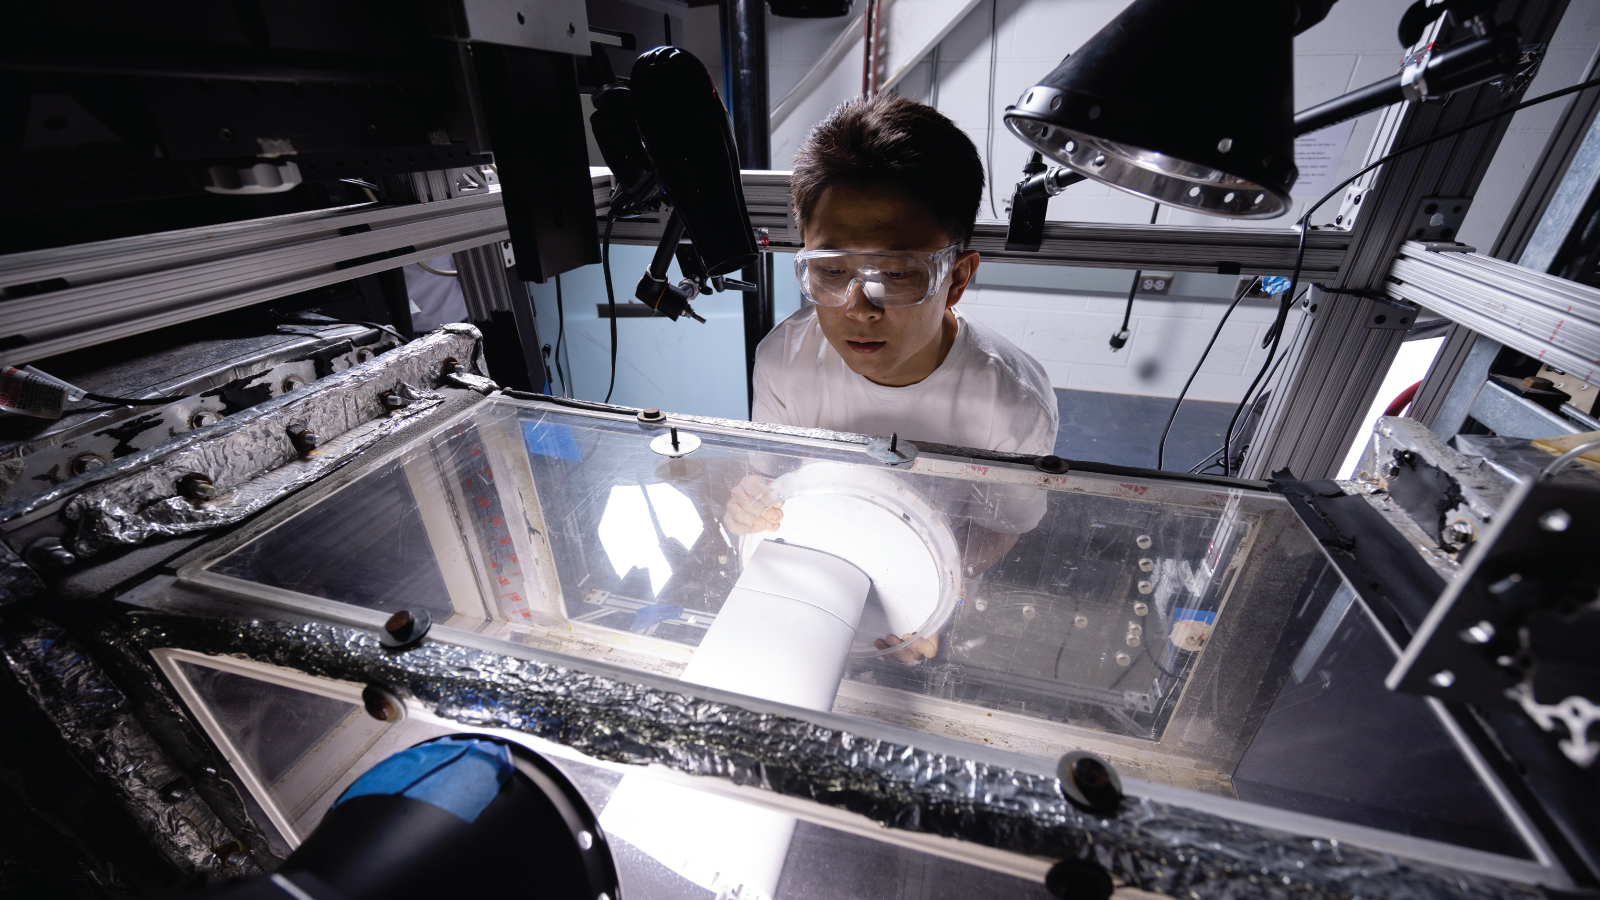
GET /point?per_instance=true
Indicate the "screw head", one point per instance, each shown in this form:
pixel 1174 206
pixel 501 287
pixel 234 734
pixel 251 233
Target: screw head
pixel 1442 678
pixel 450 365
pixel 1224 145
pixel 1080 621
pixel 1481 633
pixel 1555 520
pixel 400 623
pixel 1088 782
pixel 391 400
pixel 1143 541
pixel 196 486
pixel 1141 608
pixel 49 553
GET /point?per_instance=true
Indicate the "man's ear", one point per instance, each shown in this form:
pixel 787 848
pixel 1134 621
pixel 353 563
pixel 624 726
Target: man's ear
pixel 961 275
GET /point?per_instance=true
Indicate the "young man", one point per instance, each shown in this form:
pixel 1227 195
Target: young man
pixel 883 350
pixel 886 193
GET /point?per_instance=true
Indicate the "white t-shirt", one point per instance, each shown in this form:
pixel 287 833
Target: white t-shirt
pixel 987 394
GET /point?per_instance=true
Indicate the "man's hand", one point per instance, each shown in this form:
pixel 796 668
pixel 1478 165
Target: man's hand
pixel 752 508
pixel 914 649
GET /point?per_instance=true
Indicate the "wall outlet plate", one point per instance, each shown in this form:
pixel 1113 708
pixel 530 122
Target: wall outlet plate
pixel 1156 282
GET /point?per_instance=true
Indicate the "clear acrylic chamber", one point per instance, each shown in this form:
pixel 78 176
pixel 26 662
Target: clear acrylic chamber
pixel 1192 633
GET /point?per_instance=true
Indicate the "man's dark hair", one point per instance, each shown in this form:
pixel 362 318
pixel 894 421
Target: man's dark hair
pixel 895 142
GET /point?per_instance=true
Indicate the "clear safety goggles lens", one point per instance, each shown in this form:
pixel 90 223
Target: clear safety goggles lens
pixel 885 279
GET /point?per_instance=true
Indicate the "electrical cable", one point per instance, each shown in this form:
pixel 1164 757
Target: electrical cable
pixel 994 49
pixel 561 336
pixel 1127 313
pixel 447 273
pixel 1161 448
pixel 611 301
pixel 1212 458
pixel 1305 226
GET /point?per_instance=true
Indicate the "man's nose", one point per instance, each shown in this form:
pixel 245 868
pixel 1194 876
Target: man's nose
pixel 857 305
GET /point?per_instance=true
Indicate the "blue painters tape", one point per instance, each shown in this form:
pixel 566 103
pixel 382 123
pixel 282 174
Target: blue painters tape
pixel 1274 284
pixel 1198 615
pixel 551 439
pixel 459 776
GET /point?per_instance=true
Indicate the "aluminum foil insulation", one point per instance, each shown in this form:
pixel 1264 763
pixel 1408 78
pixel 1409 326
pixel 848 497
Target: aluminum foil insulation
pixel 1149 845
pixel 250 458
pixel 94 718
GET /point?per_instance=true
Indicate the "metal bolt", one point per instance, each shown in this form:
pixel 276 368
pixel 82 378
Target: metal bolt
pixel 363 355
pixel 1555 520
pixel 406 627
pixel 382 704
pixel 450 365
pixel 1123 659
pixel 1442 678
pixel 49 553
pixel 236 859
pixel 87 462
pixel 391 400
pixel 674 432
pixel 1481 633
pixel 1088 782
pixel 203 418
pixel 1135 628
pixel 1080 621
pixel 1028 612
pixel 176 790
pixel 304 439
pixel 1133 641
pixel 197 487
pixel 1146 587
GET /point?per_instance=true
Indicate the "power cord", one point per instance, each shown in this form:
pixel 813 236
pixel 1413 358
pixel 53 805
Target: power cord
pixel 561 337
pixel 1120 338
pixel 1305 226
pixel 611 302
pixel 1161 448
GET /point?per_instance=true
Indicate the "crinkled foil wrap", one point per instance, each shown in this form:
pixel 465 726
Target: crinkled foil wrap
pixel 17 580
pixel 1154 846
pixel 249 456
pixel 95 719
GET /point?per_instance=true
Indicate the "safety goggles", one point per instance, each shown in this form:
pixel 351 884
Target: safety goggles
pixel 888 279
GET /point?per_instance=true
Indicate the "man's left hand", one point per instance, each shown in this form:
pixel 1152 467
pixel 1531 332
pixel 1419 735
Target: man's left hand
pixel 913 650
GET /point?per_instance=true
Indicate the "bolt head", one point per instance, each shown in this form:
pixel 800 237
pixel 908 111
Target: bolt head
pixel 197 487
pixel 392 400
pixel 399 623
pixel 1224 145
pixel 1442 678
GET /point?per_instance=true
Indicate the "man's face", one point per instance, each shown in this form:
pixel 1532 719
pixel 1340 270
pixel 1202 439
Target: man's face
pixel 889 346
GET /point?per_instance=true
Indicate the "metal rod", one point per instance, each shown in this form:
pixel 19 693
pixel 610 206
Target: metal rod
pixel 747 46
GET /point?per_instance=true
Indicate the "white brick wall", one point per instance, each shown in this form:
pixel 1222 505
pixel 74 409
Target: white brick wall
pixel 1067 327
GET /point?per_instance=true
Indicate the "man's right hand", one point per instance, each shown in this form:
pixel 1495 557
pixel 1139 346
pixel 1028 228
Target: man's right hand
pixel 752 507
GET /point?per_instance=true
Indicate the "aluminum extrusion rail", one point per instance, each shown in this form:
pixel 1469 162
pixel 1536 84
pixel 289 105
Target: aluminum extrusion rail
pixel 1551 319
pixel 1184 248
pixel 69 298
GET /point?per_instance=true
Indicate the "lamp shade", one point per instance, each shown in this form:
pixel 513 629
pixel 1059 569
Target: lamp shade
pixel 1186 102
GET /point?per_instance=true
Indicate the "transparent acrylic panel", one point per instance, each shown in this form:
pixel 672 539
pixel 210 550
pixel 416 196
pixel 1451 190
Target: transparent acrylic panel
pixel 1155 622
pixel 300 748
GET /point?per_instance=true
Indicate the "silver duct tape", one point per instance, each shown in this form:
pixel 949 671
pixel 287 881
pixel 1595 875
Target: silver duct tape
pixel 1149 845
pixel 17 580
pixel 94 718
pixel 131 511
pixel 135 497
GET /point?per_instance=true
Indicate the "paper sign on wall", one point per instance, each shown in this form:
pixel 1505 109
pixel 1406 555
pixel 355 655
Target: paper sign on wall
pixel 1317 155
